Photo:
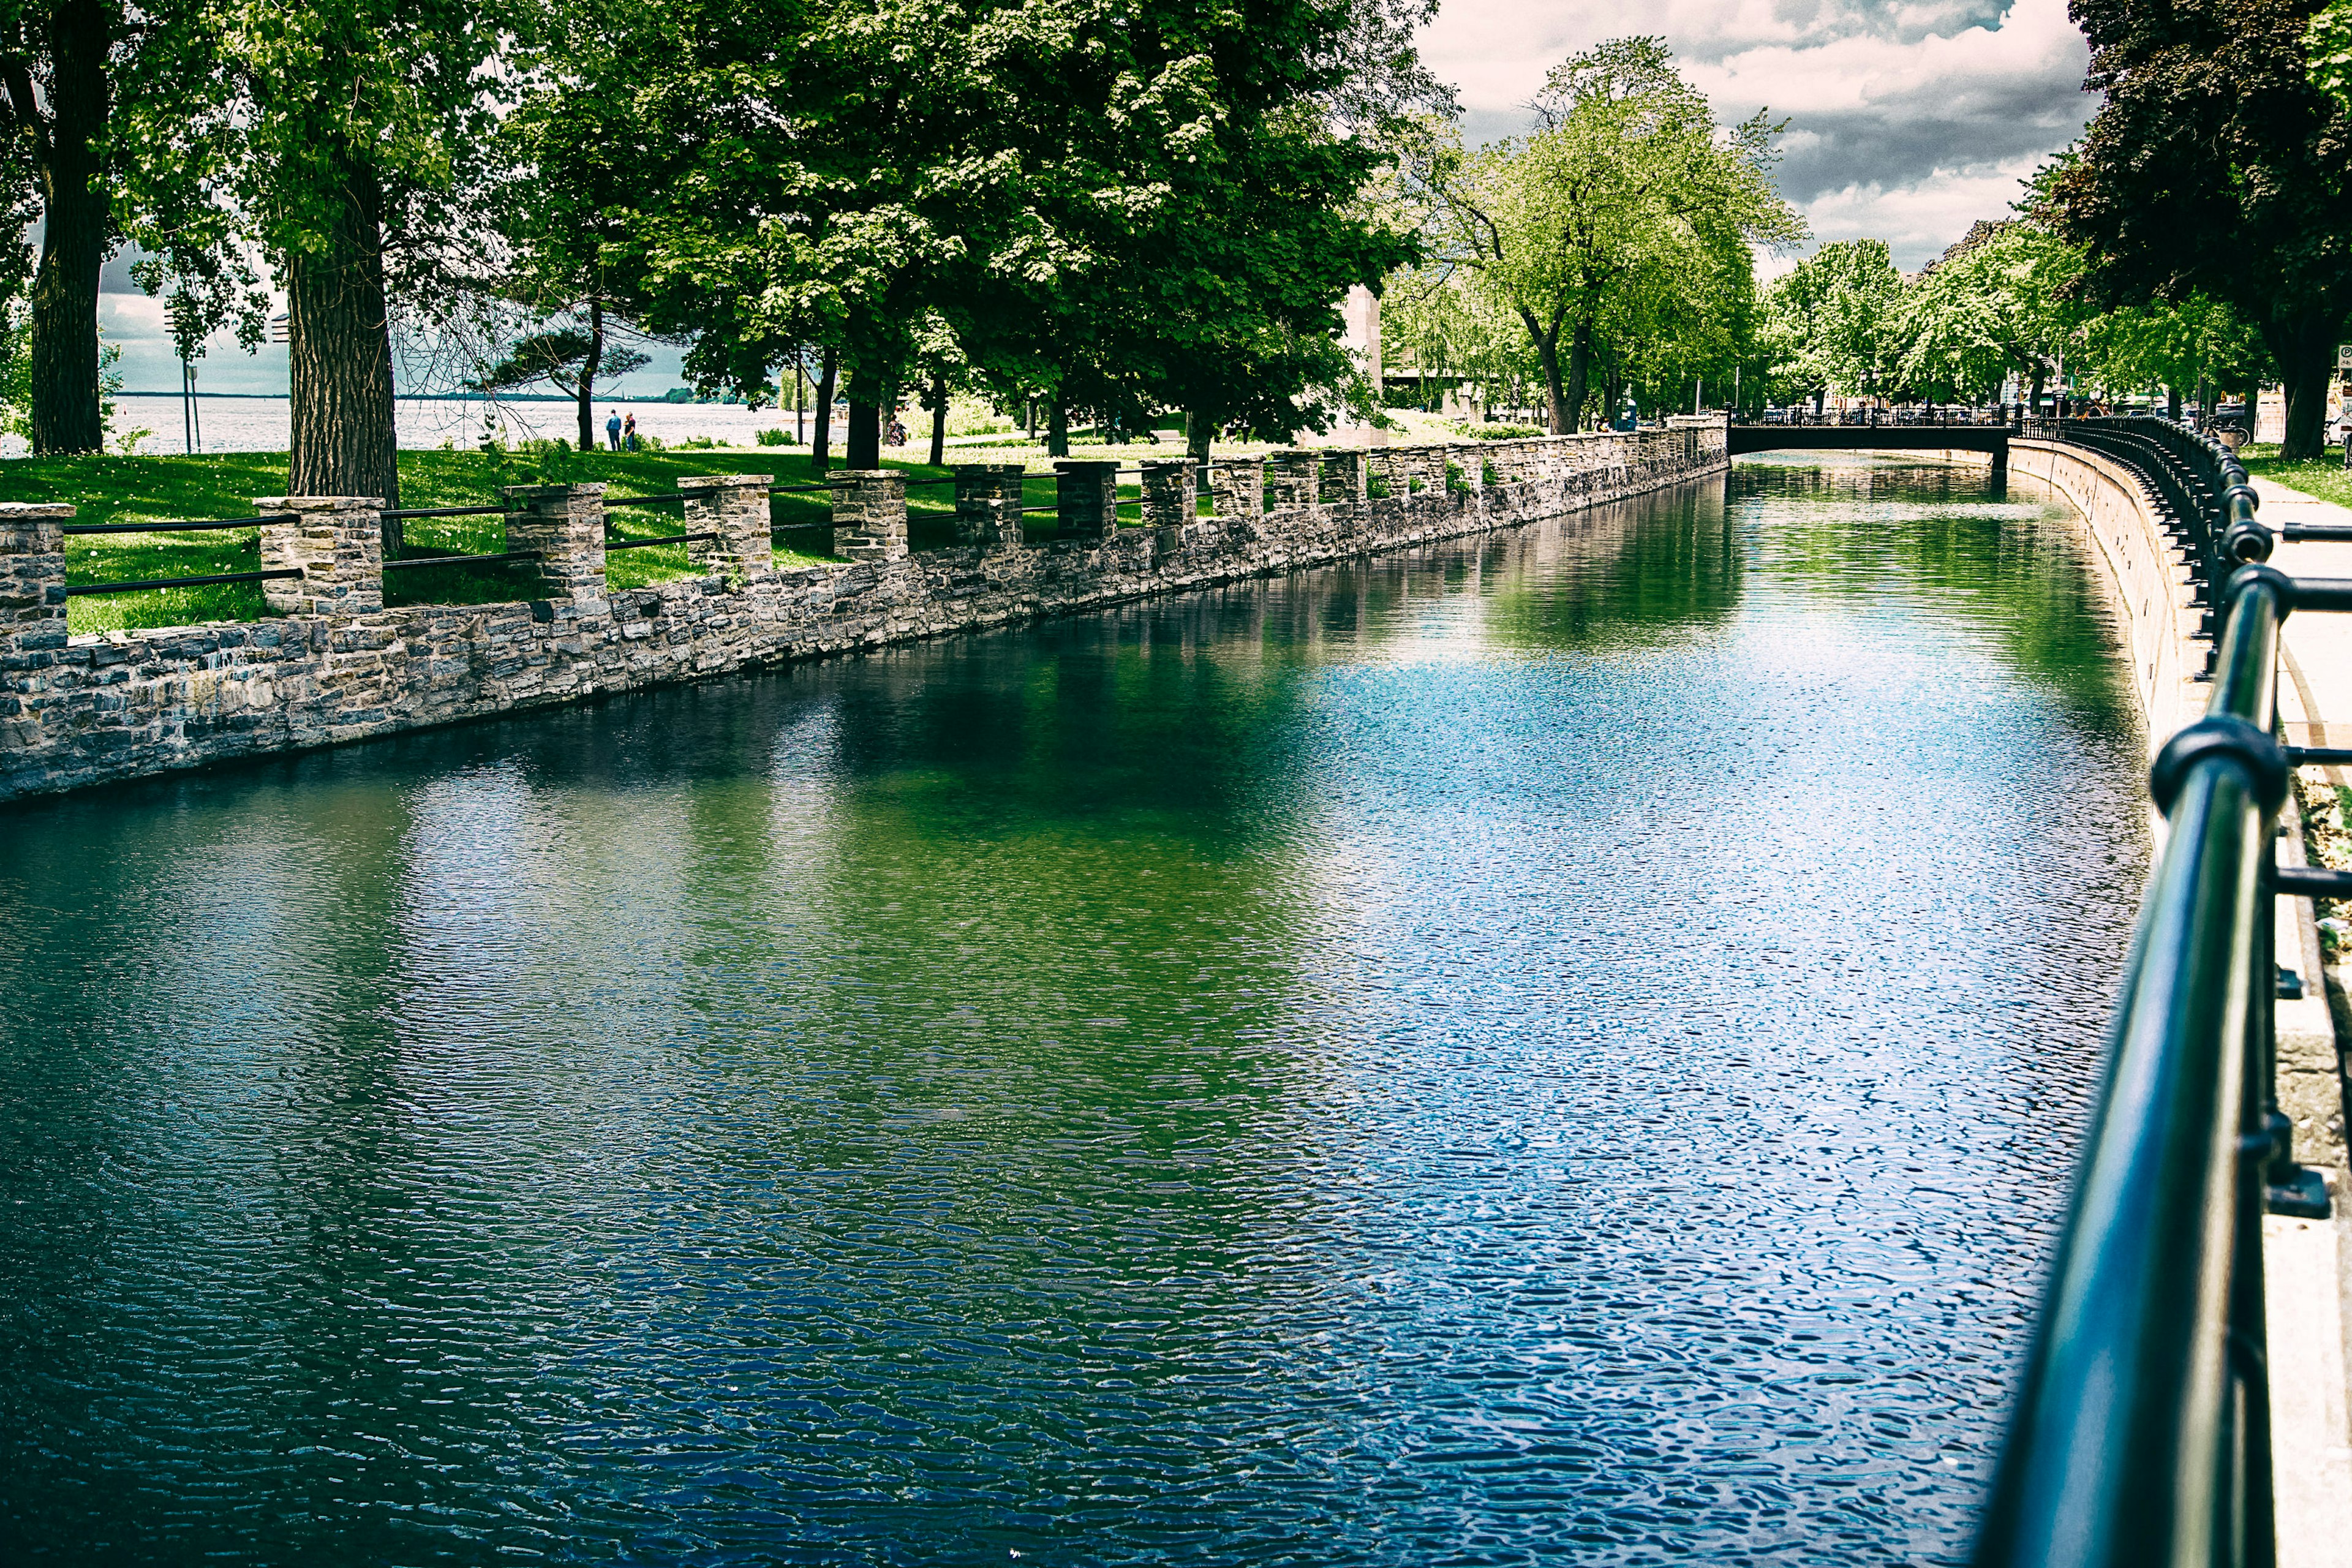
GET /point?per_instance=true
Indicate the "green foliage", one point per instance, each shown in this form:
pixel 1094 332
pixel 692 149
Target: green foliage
pixel 2002 302
pixel 1834 323
pixel 2216 166
pixel 1621 231
pixel 2328 43
pixel 2198 342
pixel 559 358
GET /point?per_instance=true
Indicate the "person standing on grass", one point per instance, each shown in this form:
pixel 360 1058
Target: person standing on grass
pixel 629 431
pixel 613 428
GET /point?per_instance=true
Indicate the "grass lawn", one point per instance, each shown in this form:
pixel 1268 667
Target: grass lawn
pixel 2326 478
pixel 174 488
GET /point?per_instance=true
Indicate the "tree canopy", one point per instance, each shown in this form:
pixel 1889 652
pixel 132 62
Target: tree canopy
pixel 1620 231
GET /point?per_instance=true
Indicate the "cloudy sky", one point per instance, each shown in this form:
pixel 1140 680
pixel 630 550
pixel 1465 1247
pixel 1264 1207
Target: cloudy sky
pixel 1908 119
pixel 1907 122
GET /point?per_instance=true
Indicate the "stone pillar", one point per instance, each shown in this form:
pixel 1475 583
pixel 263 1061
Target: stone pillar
pixel 1291 478
pixel 1085 495
pixel 988 503
pixel 1168 498
pixel 1237 488
pixel 338 543
pixel 1347 482
pixel 565 523
pixel 735 508
pixel 32 576
pixel 869 514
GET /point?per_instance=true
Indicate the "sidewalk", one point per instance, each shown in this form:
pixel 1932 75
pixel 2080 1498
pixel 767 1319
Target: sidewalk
pixel 2306 1262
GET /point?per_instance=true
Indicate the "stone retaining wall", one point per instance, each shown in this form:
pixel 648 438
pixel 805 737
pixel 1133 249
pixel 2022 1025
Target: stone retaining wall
pixel 337 665
pixel 2146 575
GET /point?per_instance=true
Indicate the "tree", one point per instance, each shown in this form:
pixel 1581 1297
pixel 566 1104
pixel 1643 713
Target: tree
pixel 59 99
pixel 339 139
pixel 1628 199
pixel 569 359
pixel 2002 299
pixel 1115 207
pixel 2196 346
pixel 2216 166
pixel 1833 321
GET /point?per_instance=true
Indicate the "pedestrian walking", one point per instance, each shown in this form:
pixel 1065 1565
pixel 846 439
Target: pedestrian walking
pixel 613 429
pixel 629 431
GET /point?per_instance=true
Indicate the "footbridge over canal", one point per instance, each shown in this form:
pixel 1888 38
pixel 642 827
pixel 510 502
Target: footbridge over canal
pixel 1957 432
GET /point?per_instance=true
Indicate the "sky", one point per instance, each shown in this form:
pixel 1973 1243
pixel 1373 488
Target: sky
pixel 1907 122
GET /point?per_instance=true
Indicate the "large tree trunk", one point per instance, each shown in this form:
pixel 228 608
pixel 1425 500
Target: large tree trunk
pixel 1580 373
pixel 864 439
pixel 76 228
pixel 821 437
pixel 1199 429
pixel 2305 346
pixel 588 368
pixel 1058 430
pixel 339 357
pixel 938 420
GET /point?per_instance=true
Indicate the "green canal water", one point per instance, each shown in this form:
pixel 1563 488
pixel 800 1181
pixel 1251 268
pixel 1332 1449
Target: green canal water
pixel 1566 1046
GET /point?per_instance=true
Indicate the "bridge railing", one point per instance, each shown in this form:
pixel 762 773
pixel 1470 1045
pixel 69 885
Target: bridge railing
pixel 1931 415
pixel 2142 1431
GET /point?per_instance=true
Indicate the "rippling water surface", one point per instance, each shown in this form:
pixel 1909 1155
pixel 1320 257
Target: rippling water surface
pixel 1565 1047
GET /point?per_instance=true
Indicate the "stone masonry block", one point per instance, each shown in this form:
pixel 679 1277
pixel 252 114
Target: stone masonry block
pixel 1237 488
pixel 869 514
pixel 988 503
pixel 565 523
pixel 1290 479
pixel 1347 477
pixel 337 543
pixel 32 576
pixel 1085 495
pixel 1168 498
pixel 735 508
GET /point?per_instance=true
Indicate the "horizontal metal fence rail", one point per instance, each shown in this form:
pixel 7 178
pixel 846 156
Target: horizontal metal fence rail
pixel 410 563
pixel 81 590
pixel 2142 1430
pixel 613 544
pixel 207 580
pixel 177 527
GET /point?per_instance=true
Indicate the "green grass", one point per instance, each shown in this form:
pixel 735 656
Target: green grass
pixel 168 489
pixel 2325 478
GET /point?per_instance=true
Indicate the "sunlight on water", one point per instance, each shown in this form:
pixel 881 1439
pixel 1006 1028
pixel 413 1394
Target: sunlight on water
pixel 1565 1045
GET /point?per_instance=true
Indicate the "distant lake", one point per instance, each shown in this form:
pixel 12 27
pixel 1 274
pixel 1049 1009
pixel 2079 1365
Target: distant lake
pixel 261 424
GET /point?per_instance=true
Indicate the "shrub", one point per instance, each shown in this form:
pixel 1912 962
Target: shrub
pixel 1481 432
pixel 775 438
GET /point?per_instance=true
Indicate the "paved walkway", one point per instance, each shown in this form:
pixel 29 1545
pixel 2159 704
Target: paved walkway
pixel 2309 1351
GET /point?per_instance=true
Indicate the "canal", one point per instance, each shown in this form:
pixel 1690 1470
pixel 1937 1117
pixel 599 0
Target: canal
pixel 1565 1045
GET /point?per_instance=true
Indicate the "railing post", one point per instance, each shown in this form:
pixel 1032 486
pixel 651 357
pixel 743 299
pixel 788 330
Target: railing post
pixel 1237 488
pixel 337 543
pixel 32 577
pixel 1086 498
pixel 735 508
pixel 1168 496
pixel 988 503
pixel 1291 479
pixel 1350 477
pixel 565 523
pixel 869 514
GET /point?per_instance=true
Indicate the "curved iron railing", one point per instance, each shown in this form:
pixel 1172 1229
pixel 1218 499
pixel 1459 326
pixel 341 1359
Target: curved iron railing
pixel 2142 1432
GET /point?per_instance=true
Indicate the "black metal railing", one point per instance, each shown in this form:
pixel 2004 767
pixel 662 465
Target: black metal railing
pixel 2142 1432
pixel 1931 415
pixel 207 580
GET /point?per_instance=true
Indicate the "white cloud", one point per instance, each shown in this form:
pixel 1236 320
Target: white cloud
pixel 1907 121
